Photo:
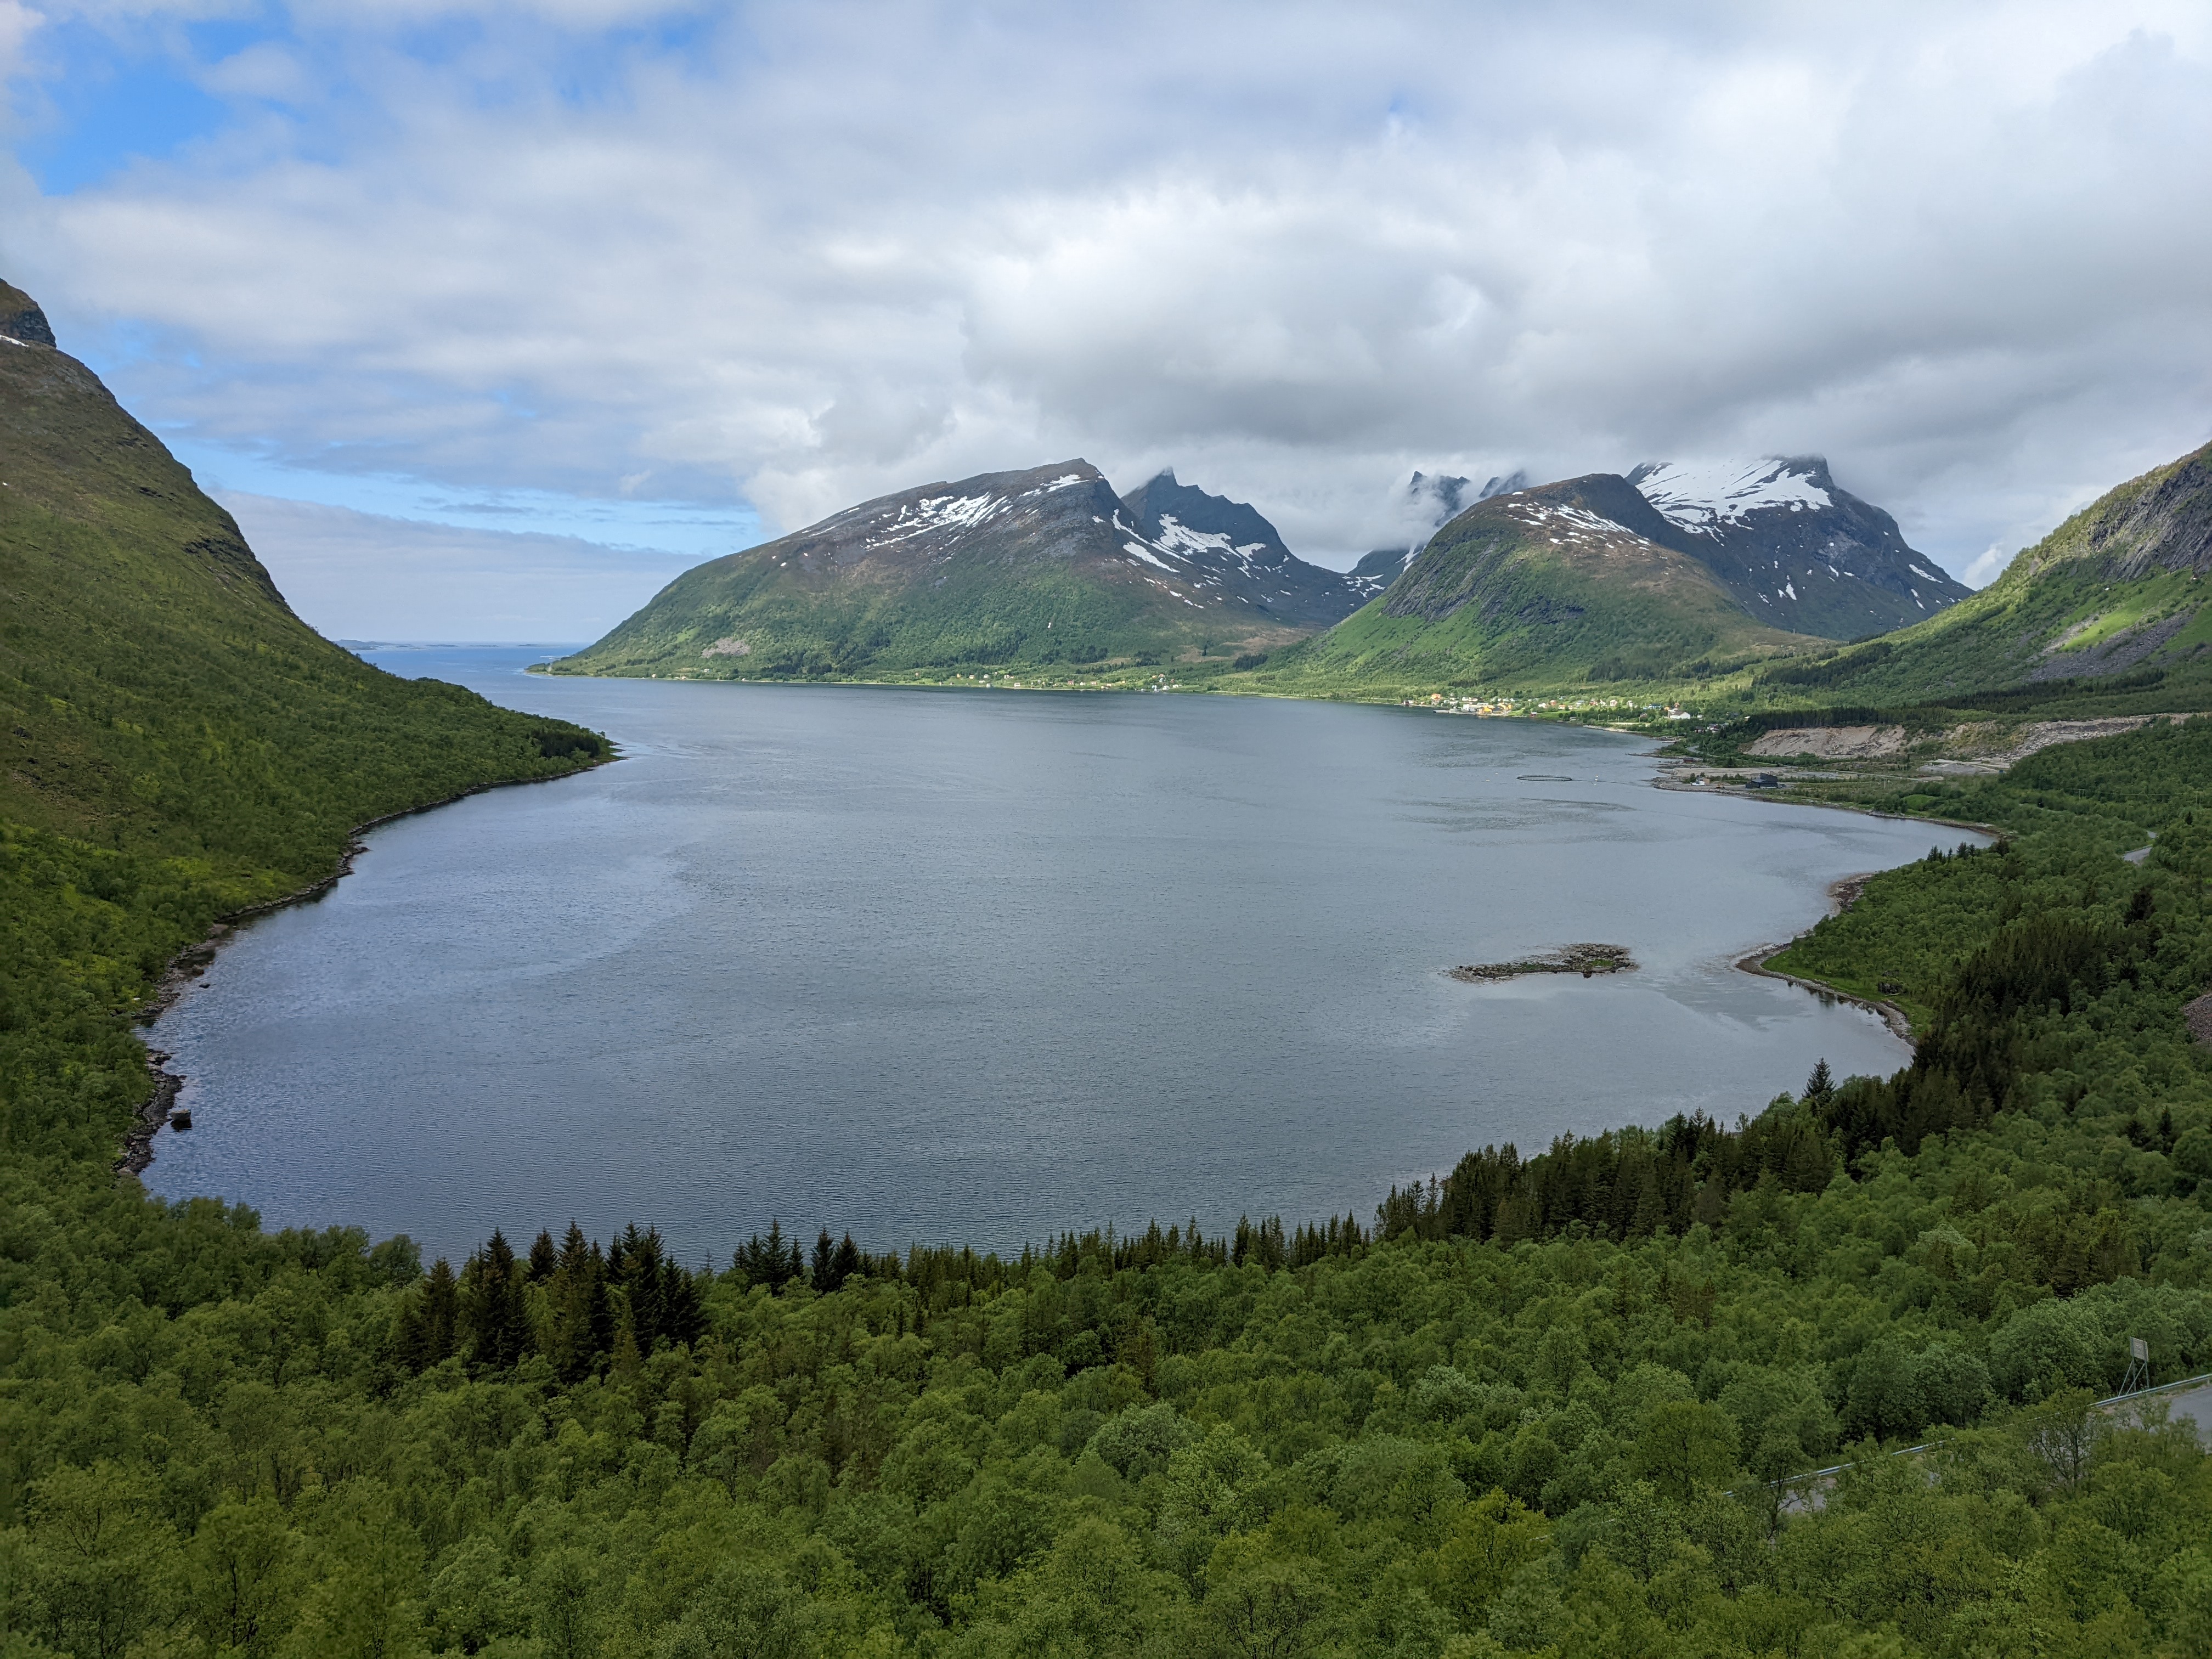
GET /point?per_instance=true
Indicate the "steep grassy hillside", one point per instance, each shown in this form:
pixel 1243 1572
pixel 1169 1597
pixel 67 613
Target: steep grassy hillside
pixel 157 694
pixel 2113 601
pixel 1565 584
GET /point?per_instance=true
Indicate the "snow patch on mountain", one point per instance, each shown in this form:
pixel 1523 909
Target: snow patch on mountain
pixel 937 513
pixel 1700 497
pixel 1177 536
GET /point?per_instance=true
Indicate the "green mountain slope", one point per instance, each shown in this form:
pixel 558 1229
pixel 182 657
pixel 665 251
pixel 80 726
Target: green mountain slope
pixel 157 693
pixel 2111 601
pixel 1004 569
pixel 1564 584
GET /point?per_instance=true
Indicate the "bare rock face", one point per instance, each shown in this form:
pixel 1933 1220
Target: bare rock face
pixel 21 320
pixel 1796 549
pixel 2199 1015
pixel 1241 547
pixel 2166 524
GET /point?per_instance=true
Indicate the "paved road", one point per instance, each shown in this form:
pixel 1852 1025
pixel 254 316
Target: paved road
pixel 2194 1406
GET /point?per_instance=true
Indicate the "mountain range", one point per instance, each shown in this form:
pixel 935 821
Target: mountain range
pixel 1050 569
pixel 1668 575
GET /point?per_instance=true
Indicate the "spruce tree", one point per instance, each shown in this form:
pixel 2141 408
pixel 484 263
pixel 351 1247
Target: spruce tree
pixel 682 1315
pixel 1820 1088
pixel 640 1278
pixel 772 1261
pixel 498 1318
pixel 425 1333
pixel 845 1263
pixel 544 1258
pixel 581 1325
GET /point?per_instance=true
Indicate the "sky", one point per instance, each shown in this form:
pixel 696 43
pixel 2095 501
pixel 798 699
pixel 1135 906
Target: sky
pixel 487 318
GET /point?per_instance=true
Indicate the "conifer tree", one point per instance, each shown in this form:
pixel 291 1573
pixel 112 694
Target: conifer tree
pixel 582 1324
pixel 637 1260
pixel 544 1258
pixel 1820 1088
pixel 497 1318
pixel 428 1324
pixel 772 1261
pixel 682 1315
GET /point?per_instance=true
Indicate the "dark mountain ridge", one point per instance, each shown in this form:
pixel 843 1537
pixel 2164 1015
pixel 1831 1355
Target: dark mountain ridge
pixel 1224 535
pixel 1796 549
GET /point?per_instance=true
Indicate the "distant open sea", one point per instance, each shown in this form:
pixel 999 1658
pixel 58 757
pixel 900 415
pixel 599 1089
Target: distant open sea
pixel 978 967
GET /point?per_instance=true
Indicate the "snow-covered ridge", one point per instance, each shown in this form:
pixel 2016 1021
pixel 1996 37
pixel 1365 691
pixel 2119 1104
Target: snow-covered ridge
pixel 1578 523
pixel 937 513
pixel 1700 497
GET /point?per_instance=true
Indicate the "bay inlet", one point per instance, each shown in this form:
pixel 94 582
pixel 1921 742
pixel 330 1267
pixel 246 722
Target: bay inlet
pixel 979 966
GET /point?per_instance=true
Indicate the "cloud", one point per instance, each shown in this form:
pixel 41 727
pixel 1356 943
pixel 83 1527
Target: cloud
pixel 360 576
pixel 795 256
pixel 1985 566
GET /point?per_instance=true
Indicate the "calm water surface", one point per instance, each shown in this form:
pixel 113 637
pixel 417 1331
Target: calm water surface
pixel 981 965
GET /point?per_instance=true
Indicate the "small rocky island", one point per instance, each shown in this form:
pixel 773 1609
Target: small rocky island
pixel 1583 959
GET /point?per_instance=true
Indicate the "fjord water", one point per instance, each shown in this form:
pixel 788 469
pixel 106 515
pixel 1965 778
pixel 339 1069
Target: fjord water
pixel 979 966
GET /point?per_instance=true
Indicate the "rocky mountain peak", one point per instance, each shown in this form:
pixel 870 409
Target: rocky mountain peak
pixel 21 322
pixel 1179 515
pixel 1704 498
pixel 1796 549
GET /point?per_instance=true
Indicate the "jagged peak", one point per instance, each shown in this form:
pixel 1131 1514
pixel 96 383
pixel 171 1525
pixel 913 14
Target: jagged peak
pixel 22 321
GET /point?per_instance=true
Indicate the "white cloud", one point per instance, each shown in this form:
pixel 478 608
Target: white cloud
pixel 815 252
pixel 1985 566
pixel 359 576
pixel 18 21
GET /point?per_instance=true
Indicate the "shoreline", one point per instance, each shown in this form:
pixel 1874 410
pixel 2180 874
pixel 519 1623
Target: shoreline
pixel 1843 893
pixel 186 969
